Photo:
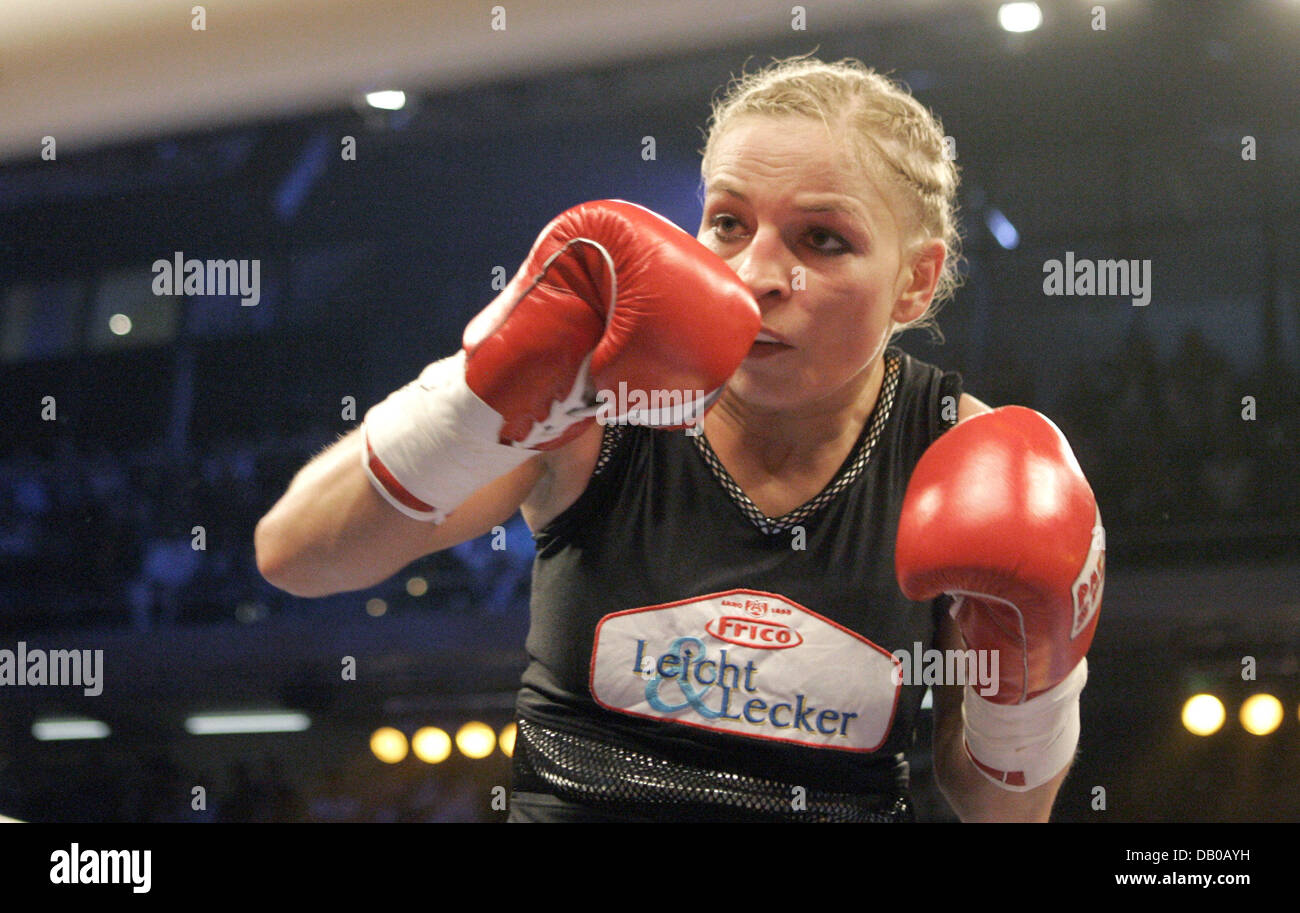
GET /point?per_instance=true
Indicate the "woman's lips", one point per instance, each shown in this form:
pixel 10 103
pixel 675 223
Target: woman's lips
pixel 768 344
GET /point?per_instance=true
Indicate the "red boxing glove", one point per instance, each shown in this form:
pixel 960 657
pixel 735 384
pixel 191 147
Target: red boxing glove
pixel 616 310
pixel 999 514
pixel 610 294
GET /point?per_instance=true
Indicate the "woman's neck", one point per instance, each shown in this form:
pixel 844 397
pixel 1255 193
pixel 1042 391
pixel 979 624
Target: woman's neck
pixel 799 438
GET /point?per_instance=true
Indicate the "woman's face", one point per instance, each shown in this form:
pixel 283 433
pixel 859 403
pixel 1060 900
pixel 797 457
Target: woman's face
pixel 820 246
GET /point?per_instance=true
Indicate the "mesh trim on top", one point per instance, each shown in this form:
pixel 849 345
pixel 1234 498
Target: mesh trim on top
pixel 613 436
pixel 609 441
pixel 581 769
pixel 861 457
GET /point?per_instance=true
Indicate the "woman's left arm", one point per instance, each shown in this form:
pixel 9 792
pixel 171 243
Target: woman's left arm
pixel 973 795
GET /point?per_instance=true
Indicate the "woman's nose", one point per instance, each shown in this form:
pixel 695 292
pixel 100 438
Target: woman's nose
pixel 763 266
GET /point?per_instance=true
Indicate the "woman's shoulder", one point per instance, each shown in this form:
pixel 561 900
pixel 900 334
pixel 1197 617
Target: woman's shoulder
pixel 931 393
pixel 969 405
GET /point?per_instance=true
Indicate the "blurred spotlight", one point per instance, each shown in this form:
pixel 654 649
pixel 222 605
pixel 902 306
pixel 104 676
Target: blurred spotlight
pixel 388 744
pixel 1261 714
pixel 119 324
pixel 246 722
pixel 1020 17
pixel 475 740
pixel 55 730
pixel 431 745
pixel 1003 231
pixel 376 607
pixel 507 739
pixel 1203 714
pixel 417 586
pixel 387 100
pixel 250 612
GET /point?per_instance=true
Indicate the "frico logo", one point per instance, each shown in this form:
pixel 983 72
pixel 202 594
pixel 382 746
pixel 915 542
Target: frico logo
pixel 746 632
pixel 747 663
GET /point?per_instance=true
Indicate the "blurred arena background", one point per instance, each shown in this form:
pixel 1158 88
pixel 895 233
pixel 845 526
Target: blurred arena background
pixel 128 133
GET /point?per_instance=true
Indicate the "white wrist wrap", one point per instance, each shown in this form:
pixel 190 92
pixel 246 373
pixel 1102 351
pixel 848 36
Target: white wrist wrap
pixel 1022 746
pixel 438 441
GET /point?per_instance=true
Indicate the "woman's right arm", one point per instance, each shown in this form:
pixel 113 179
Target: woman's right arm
pixel 526 378
pixel 332 531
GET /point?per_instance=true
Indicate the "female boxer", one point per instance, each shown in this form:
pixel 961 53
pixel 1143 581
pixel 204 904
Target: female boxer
pixel 729 621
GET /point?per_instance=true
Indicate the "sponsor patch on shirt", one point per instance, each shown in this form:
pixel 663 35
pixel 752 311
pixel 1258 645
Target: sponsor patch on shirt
pixel 748 663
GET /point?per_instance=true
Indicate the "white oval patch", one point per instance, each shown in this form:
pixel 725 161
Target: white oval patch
pixel 748 663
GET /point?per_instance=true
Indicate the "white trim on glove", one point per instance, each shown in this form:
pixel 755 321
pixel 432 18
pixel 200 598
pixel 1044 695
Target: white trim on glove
pixel 1021 746
pixel 438 441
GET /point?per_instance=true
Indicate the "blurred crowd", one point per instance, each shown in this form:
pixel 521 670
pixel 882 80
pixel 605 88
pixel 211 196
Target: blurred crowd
pixel 1186 442
pixel 146 538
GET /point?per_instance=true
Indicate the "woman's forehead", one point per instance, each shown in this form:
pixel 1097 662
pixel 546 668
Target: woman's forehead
pixel 802 160
pixel 784 141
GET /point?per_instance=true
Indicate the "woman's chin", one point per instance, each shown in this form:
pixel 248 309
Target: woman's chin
pixel 757 390
pixel 757 386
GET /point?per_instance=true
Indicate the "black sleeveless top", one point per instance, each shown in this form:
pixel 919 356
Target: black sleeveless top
pixel 688 654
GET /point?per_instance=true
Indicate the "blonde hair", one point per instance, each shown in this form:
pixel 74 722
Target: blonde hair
pixel 896 136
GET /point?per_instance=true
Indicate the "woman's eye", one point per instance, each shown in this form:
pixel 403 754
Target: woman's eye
pixel 724 227
pixel 826 242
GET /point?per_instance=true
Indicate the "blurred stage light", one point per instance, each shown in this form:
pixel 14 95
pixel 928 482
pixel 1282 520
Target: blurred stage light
pixel 1203 714
pixel 119 324
pixel 431 745
pixel 1020 17
pixel 250 612
pixel 246 722
pixel 1261 714
pixel 388 744
pixel 475 740
pixel 387 100
pixel 417 586
pixel 1003 231
pixel 376 607
pixel 56 730
pixel 507 739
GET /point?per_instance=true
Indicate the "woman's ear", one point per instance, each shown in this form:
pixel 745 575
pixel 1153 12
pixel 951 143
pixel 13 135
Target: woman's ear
pixel 919 275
